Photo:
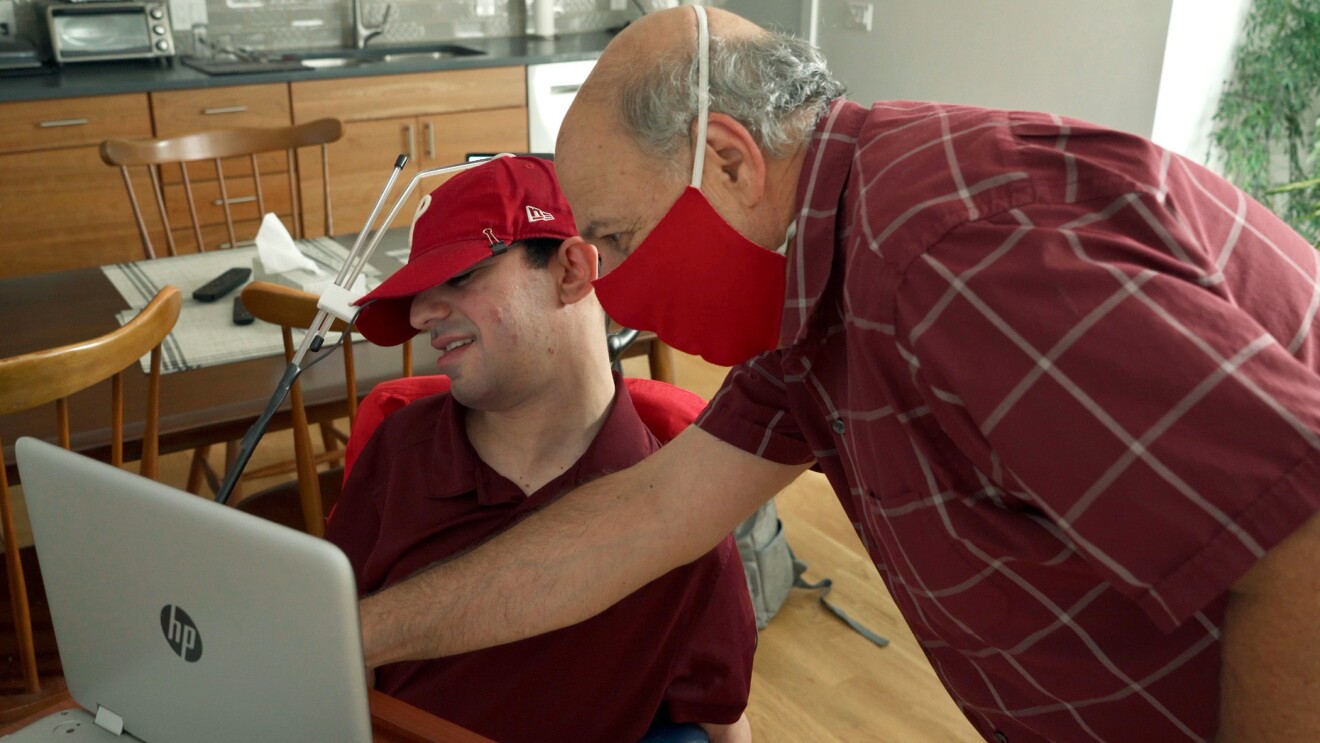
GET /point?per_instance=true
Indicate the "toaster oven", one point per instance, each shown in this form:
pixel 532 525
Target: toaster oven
pixel 94 32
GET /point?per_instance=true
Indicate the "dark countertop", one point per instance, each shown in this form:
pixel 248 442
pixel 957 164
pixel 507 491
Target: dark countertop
pixel 109 78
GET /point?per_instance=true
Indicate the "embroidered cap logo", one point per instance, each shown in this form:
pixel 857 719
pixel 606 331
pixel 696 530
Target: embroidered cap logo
pixel 538 215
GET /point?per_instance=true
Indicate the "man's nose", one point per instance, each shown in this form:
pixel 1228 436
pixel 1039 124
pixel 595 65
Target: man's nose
pixel 427 308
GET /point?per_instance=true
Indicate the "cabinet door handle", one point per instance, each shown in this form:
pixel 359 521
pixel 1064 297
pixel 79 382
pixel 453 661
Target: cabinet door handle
pixel 430 140
pixel 61 122
pixel 235 200
pixel 224 110
pixel 412 143
pixel 565 89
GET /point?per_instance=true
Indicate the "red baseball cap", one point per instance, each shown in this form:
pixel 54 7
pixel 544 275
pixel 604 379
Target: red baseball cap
pixel 472 216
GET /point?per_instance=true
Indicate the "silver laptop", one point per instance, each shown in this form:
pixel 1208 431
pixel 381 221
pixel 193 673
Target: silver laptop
pixel 182 621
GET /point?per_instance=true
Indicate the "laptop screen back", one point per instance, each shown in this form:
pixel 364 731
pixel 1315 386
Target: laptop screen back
pixel 190 620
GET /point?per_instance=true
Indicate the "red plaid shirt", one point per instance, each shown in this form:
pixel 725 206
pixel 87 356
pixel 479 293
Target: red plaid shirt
pixel 1064 383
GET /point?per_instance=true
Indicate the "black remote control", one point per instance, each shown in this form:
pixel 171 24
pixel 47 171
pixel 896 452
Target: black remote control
pixel 241 314
pixel 222 284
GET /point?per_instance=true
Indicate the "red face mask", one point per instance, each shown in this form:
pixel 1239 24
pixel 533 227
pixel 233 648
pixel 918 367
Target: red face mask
pixel 702 286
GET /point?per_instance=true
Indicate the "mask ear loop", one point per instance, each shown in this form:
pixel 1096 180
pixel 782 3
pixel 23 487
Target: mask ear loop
pixel 703 95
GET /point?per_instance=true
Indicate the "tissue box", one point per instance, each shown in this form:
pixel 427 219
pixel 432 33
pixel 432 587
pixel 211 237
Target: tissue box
pixel 298 278
pixel 304 280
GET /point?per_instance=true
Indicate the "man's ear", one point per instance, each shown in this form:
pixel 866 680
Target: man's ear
pixel 734 164
pixel 580 264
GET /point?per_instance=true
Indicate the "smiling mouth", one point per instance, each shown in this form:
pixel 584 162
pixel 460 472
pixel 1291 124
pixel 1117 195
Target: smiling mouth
pixel 454 345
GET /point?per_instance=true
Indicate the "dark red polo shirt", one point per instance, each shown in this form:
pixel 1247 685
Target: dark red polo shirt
pixel 419 493
pixel 1066 385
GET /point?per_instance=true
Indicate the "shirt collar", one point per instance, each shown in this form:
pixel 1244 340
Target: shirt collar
pixel 825 174
pixel 622 440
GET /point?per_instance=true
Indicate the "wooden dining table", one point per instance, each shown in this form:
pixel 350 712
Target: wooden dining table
pixel 202 406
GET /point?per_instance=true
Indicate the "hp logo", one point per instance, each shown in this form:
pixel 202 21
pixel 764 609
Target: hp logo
pixel 181 633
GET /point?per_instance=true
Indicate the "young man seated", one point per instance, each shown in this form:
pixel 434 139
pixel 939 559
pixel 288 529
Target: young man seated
pixel 498 279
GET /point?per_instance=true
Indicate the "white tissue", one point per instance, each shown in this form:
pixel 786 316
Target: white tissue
pixel 276 250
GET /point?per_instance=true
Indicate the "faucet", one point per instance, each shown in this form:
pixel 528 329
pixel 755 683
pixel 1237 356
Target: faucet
pixel 363 33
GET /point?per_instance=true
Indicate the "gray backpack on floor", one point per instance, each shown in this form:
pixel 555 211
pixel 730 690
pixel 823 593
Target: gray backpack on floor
pixel 767 560
pixel 773 570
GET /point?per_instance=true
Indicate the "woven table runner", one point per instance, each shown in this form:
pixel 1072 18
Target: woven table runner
pixel 205 334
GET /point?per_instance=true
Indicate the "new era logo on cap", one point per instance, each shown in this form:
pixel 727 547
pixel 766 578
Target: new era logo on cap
pixel 537 215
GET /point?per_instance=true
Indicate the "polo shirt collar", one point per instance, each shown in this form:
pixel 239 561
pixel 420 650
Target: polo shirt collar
pixel 825 173
pixel 621 438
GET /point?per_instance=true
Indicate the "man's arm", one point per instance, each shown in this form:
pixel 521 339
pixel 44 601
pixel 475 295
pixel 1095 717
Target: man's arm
pixel 738 732
pixel 1270 678
pixel 577 557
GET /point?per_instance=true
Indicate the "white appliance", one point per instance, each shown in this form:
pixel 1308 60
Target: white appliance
pixel 550 90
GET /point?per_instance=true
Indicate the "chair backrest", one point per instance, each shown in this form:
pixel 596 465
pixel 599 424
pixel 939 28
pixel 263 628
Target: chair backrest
pixel 292 308
pixel 178 203
pixel 51 376
pixel 665 409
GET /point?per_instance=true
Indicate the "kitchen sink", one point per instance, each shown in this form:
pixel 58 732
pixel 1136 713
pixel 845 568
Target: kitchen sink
pixel 240 61
pixel 320 58
pixel 317 63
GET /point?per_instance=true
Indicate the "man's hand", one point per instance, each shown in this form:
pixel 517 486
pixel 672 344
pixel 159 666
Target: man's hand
pixel 1270 678
pixel 738 732
pixel 577 557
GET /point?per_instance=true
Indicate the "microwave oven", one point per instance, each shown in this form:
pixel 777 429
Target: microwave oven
pixel 102 31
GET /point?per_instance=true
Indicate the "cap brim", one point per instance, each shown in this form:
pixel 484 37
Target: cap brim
pixel 384 319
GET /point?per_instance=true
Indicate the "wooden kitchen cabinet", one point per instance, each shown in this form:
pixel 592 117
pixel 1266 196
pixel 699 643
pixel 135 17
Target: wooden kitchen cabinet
pixel 179 112
pixel 434 117
pixel 63 208
pixel 185 111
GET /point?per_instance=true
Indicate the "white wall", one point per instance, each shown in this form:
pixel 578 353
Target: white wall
pixel 1151 67
pixel 1197 60
pixel 1098 60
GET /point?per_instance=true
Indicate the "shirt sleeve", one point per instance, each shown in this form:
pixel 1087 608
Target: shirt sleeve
pixel 712 672
pixel 750 411
pixel 354 523
pixel 1129 377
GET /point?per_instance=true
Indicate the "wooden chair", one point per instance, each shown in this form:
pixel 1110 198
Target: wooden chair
pixel 215 146
pixel 291 308
pixel 51 376
pixel 659 356
pixel 170 158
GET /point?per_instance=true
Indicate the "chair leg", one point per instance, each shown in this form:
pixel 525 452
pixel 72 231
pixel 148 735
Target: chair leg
pixel 18 598
pixel 662 362
pixel 328 438
pixel 231 456
pixel 197 470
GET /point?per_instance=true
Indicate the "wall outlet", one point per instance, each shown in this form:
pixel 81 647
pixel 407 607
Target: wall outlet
pixel 859 16
pixel 485 7
pixel 618 4
pixel 7 28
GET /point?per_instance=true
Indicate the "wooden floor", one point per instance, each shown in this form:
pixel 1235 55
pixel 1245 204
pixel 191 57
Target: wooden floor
pixel 814 679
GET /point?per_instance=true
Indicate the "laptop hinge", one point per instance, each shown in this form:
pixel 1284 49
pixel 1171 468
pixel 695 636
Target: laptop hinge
pixel 109 720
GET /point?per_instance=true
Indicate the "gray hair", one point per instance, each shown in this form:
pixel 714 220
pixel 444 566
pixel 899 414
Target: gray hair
pixel 776 85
